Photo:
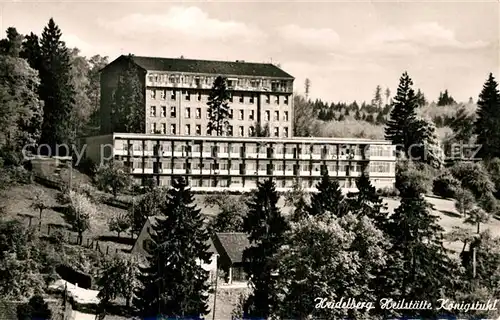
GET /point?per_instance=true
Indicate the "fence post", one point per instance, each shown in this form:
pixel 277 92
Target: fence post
pixel 88 242
pixel 107 250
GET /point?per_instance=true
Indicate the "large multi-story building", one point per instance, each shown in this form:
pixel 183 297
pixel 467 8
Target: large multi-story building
pixel 228 163
pixel 174 140
pixel 176 93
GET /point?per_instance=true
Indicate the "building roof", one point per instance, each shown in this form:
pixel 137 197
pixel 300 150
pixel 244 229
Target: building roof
pixel 227 68
pixel 152 220
pixel 233 244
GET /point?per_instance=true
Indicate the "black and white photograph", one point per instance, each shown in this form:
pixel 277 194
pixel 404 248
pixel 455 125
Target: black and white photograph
pixel 249 160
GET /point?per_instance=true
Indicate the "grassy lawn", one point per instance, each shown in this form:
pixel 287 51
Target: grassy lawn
pixel 18 202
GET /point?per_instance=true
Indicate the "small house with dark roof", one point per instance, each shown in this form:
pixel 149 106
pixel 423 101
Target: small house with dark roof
pixel 143 242
pixel 230 247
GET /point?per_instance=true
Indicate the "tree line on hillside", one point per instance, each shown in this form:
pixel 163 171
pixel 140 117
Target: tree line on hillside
pixel 50 93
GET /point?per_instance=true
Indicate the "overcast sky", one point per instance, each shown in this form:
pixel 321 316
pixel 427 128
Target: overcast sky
pixel 346 49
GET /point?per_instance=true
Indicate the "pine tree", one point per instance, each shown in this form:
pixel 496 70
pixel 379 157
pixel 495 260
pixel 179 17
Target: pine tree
pixel 420 268
pixel 377 99
pixel 487 125
pixel 266 229
pixel 31 51
pixel 127 109
pixel 56 88
pixel 357 115
pixel 421 101
pixel 399 127
pixel 218 107
pixel 328 199
pixel 366 202
pixel 174 284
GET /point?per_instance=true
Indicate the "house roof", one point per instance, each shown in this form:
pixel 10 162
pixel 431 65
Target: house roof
pixel 233 244
pixel 152 220
pixel 228 68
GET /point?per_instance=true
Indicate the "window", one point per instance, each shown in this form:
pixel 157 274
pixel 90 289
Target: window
pixel 268 115
pixel 199 96
pixel 152 111
pixel 277 100
pixel 268 99
pixel 230 131
pixel 242 98
pixel 251 131
pixel 198 129
pixel 242 131
pixel 172 112
pixel 187 129
pixel 198 113
pixel 230 97
pixel 230 113
pixel 286 100
pixel 251 116
pixel 276 116
pixel 285 115
pixel 242 115
pixel 163 94
pixel 188 113
pixel 172 129
pixel 285 132
pixel 172 96
pixel 276 132
pixel 153 127
pixel 187 95
pixel 153 94
pixel 164 128
pixel 252 99
pixel 163 111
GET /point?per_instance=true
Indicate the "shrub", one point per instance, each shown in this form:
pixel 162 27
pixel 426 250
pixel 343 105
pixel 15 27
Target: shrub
pixel 388 192
pixel 445 185
pixel 416 174
pixel 473 176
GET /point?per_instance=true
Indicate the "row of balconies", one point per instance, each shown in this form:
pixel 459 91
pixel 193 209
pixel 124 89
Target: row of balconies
pixel 249 155
pixel 203 86
pixel 253 172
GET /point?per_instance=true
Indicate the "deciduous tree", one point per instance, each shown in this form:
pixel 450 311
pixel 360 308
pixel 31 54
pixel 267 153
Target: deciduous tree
pixel 80 213
pixel 127 109
pixel 113 176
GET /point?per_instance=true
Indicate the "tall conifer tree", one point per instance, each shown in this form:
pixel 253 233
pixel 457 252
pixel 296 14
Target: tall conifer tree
pixel 56 88
pixel 366 202
pixel 218 107
pixel 400 123
pixel 174 284
pixel 328 199
pixel 420 268
pixel 266 228
pixel 488 119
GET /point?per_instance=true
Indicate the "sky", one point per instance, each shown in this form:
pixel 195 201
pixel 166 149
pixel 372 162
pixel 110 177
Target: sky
pixel 346 49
